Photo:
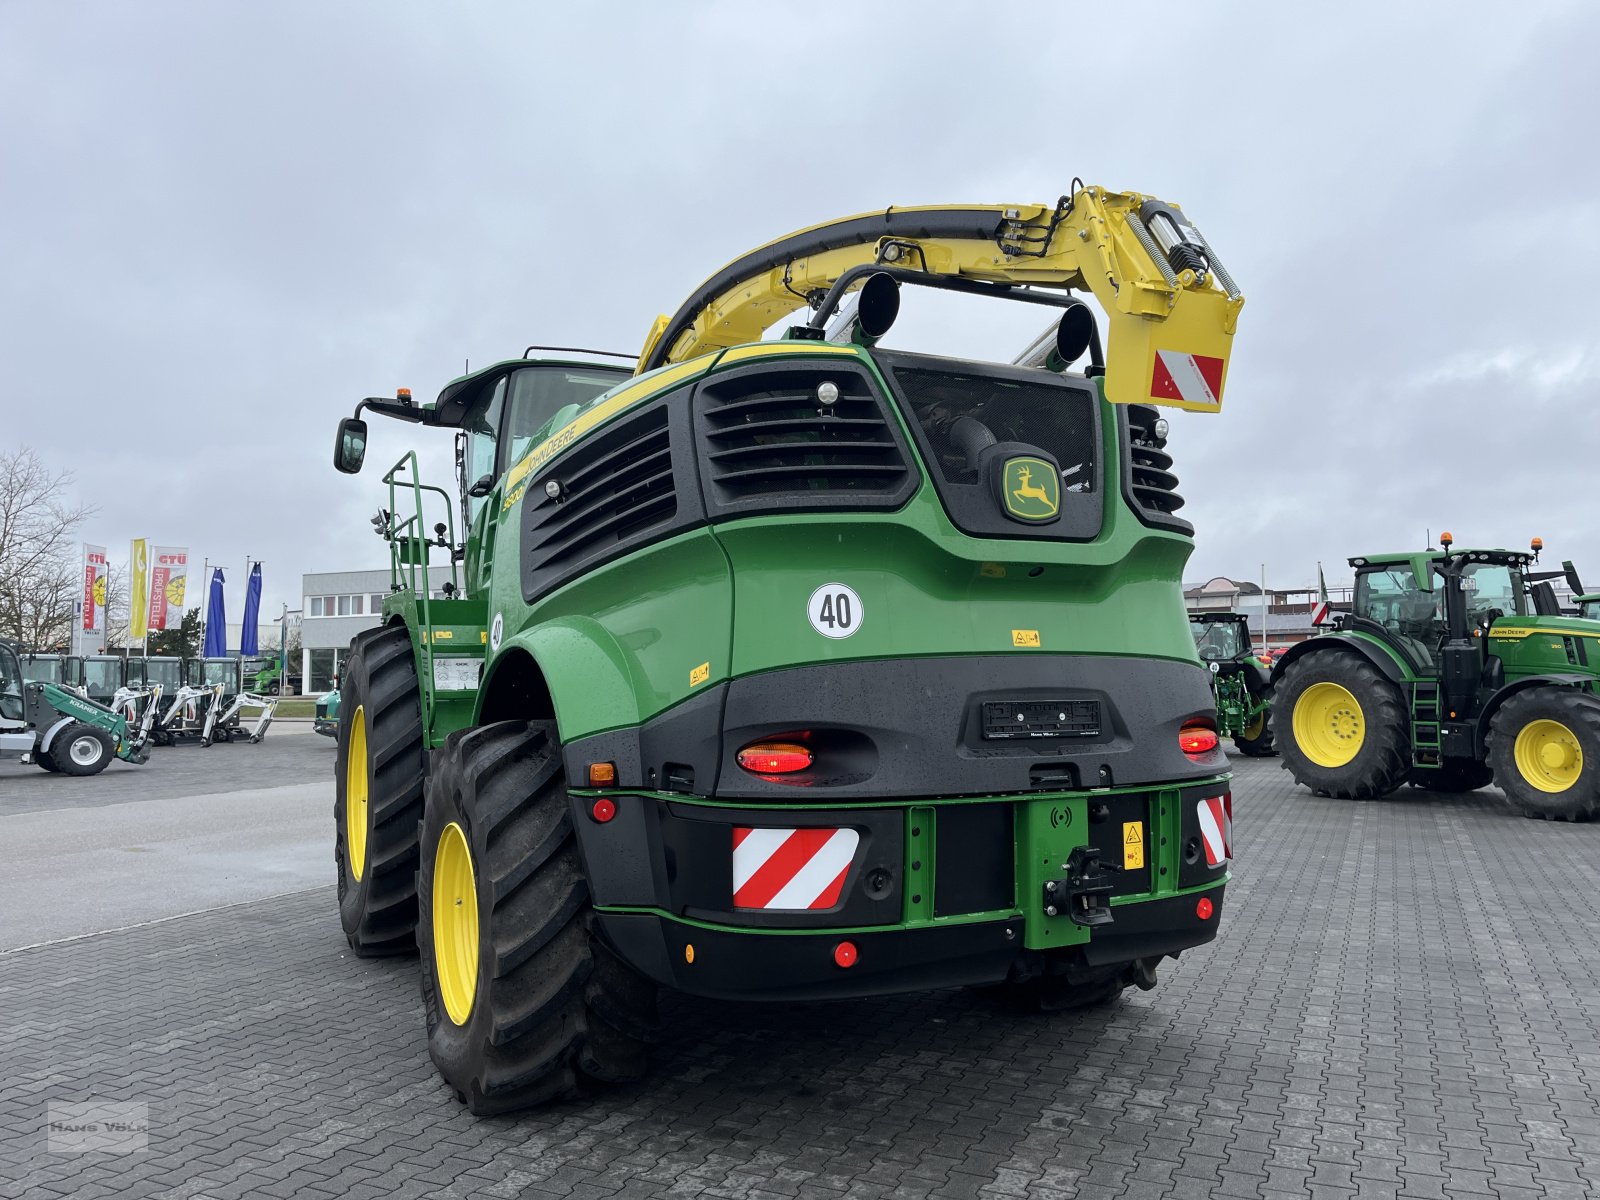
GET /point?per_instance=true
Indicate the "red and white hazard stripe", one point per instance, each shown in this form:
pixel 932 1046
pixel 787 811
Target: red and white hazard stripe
pixel 1319 612
pixel 791 868
pixel 1192 378
pixel 1216 828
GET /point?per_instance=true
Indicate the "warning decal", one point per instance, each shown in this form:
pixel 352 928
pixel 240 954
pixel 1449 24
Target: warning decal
pixel 1216 828
pixel 1191 378
pixel 791 868
pixel 1132 845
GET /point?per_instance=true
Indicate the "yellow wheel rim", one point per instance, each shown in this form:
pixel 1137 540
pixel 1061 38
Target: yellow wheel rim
pixel 1548 755
pixel 355 795
pixel 1329 726
pixel 455 923
pixel 1256 725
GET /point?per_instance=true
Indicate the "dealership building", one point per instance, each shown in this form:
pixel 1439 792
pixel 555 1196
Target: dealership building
pixel 337 605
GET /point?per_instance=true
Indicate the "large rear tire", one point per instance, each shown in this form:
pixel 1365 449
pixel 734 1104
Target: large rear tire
pixel 1342 728
pixel 81 749
pixel 377 808
pixel 1544 749
pixel 525 1002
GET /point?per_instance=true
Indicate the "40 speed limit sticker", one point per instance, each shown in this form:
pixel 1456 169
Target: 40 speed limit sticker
pixel 835 610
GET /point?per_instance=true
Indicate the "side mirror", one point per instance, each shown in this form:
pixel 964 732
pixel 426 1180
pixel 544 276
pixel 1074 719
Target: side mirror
pixel 350 448
pixel 482 487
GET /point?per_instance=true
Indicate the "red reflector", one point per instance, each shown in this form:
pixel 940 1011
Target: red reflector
pixel 603 810
pixel 1197 741
pixel 774 758
pixel 1204 909
pixel 845 954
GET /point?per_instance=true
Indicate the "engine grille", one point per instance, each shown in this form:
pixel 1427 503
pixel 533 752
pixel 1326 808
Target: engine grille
pixel 769 438
pixel 1152 487
pixel 614 489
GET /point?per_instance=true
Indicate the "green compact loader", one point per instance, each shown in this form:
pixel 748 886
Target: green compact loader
pixel 797 668
pixel 1453 669
pixel 60 730
pixel 1240 681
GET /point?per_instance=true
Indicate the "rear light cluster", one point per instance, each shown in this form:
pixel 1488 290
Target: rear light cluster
pixel 1198 740
pixel 774 758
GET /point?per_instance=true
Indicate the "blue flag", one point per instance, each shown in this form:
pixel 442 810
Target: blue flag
pixel 249 643
pixel 216 620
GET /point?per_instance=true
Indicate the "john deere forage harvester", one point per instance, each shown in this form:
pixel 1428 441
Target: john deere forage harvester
pixel 797 668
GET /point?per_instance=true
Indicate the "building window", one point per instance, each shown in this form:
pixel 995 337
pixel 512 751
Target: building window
pixel 316 606
pixel 355 605
pixel 377 603
pixel 344 606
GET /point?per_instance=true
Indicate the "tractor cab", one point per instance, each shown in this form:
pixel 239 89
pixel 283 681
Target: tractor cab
pixel 1422 604
pixel 1240 682
pixel 1220 637
pixel 10 685
pixel 1588 607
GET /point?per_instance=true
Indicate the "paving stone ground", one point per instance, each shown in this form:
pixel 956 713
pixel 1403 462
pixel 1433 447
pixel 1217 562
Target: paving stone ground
pixel 1402 1002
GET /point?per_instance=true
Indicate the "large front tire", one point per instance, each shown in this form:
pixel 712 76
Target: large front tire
pixel 1342 728
pixel 377 808
pixel 1544 749
pixel 524 1001
pixel 81 749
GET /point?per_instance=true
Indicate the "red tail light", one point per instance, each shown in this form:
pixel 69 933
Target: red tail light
pixel 1197 741
pixel 774 758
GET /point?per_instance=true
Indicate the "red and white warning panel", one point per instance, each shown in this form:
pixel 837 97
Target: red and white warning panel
pixel 1216 828
pixel 791 868
pixel 1191 378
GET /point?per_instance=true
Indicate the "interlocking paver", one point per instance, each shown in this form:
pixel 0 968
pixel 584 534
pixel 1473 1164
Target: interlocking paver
pixel 1400 1004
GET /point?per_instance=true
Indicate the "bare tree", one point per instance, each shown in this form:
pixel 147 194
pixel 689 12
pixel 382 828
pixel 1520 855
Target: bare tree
pixel 39 578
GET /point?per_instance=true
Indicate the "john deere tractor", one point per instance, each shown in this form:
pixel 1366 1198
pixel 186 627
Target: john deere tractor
pixel 797 668
pixel 1240 680
pixel 1451 671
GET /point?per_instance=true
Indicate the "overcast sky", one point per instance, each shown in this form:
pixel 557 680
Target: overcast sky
pixel 223 224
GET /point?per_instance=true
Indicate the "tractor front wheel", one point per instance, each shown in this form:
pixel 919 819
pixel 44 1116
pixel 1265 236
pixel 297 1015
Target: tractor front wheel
pixel 1544 749
pixel 524 1001
pixel 377 808
pixel 1255 739
pixel 1348 731
pixel 81 749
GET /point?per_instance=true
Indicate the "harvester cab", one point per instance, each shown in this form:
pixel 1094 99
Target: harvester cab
pixel 1446 674
pixel 809 667
pixel 57 729
pixel 1240 680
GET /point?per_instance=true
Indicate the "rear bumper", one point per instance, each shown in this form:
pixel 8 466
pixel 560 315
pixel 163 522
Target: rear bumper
pixel 743 964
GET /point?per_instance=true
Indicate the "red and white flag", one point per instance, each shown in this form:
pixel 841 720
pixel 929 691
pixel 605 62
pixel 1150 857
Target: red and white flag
pixel 1216 828
pixel 1320 610
pixel 791 868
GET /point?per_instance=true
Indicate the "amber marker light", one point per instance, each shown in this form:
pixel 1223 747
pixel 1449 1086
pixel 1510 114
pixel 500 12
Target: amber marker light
pixel 774 758
pixel 602 774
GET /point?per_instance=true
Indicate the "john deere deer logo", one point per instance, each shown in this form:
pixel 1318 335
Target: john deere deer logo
pixel 1032 489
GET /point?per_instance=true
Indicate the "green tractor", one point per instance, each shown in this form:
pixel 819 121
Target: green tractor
pixel 1452 670
pixel 1240 681
pixel 60 730
pixel 800 668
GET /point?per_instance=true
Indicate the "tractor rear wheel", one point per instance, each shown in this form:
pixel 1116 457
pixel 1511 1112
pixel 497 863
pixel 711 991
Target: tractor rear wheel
pixel 81 749
pixel 1453 775
pixel 1348 733
pixel 1255 739
pixel 377 808
pixel 525 1002
pixel 1544 749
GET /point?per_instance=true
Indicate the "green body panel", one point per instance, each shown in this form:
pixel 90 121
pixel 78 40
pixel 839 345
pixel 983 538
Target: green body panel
pixel 440 630
pixel 1530 646
pixel 70 704
pixel 628 640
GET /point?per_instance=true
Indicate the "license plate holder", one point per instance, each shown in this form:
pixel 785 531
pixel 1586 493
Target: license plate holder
pixel 1005 720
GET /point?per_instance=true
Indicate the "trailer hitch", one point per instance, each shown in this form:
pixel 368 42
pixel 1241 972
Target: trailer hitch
pixel 1085 894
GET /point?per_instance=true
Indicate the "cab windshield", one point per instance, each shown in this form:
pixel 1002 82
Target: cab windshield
pixel 1590 609
pixel 42 670
pixel 102 677
pixel 502 427
pixel 1489 587
pixel 1218 641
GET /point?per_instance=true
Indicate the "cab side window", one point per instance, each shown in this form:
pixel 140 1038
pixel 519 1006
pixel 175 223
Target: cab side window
pixel 483 432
